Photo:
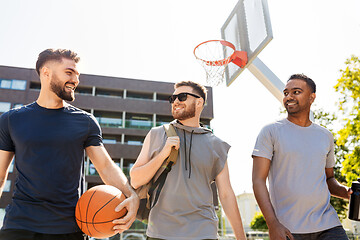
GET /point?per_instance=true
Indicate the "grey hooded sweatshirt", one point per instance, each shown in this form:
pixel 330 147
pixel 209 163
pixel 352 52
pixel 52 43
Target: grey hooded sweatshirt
pixel 185 208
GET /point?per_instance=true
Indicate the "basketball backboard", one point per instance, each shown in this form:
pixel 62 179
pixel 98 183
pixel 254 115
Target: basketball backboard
pixel 248 27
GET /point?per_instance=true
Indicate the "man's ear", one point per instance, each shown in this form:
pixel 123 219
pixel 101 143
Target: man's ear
pixel 200 102
pixel 45 72
pixel 312 97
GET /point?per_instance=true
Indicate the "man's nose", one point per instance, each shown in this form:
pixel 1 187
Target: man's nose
pixel 76 79
pixel 290 96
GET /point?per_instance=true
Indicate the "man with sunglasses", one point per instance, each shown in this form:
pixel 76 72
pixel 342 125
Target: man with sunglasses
pixel 297 157
pixel 185 207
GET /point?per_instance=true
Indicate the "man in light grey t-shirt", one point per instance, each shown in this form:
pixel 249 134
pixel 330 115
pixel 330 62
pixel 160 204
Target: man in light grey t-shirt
pixel 297 156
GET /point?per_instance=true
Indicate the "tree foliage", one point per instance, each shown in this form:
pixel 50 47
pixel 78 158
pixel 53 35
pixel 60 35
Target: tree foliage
pixel 258 222
pixel 349 135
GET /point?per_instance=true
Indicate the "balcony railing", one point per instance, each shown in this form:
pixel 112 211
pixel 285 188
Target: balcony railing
pixel 109 122
pixel 140 124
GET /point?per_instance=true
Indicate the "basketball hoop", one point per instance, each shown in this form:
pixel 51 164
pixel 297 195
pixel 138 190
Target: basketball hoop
pixel 215 55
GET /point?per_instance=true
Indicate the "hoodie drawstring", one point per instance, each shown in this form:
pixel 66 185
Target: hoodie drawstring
pixel 185 150
pixel 189 152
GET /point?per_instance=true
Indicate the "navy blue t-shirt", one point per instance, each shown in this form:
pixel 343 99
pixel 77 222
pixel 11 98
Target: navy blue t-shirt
pixel 49 157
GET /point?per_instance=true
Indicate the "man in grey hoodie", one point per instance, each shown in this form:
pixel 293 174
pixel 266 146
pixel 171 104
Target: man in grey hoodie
pixel 185 207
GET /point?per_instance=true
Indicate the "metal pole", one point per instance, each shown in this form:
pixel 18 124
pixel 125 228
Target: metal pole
pixel 267 78
pixel 270 80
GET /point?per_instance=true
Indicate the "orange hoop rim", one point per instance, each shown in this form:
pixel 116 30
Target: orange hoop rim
pixel 220 62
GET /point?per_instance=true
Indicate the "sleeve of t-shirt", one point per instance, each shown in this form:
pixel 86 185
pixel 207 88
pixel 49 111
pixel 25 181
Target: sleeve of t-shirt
pixel 6 143
pixel 264 146
pixel 157 136
pixel 330 158
pixel 94 137
pixel 221 150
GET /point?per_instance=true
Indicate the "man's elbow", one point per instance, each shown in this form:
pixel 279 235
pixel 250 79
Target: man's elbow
pixel 133 181
pixel 134 184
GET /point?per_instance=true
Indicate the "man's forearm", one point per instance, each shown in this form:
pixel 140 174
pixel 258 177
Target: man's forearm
pixel 263 199
pixel 143 174
pixel 336 189
pixel 113 175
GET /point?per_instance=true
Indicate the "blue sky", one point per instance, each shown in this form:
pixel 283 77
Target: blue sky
pixel 154 40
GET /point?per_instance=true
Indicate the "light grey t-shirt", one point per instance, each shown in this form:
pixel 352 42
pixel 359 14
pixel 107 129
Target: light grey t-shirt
pixel 297 179
pixel 185 208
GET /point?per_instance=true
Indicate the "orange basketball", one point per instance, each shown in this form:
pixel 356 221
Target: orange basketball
pixel 95 210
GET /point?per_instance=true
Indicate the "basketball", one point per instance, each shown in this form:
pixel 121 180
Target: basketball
pixel 95 210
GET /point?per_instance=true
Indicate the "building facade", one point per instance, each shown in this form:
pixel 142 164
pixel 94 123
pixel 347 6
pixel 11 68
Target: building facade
pixel 126 110
pixel 248 207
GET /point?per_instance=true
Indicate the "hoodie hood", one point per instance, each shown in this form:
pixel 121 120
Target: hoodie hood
pixel 186 130
pixel 197 130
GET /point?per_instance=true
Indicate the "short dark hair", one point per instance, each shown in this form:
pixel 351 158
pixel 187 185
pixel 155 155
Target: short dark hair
pixel 54 55
pixel 198 88
pixel 305 78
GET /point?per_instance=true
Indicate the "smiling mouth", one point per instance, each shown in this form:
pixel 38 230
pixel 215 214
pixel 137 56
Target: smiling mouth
pixel 291 104
pixel 71 88
pixel 177 108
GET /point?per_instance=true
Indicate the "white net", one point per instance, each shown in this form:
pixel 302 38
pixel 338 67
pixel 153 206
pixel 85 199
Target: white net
pixel 214 56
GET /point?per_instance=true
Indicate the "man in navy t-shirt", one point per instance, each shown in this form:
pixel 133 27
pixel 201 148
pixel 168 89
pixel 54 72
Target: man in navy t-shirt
pixel 48 138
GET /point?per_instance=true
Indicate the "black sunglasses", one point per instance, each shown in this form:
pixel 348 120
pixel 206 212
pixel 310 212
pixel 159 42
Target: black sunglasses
pixel 181 96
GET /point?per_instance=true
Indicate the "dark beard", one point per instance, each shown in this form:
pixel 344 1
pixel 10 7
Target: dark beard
pixel 60 91
pixel 190 113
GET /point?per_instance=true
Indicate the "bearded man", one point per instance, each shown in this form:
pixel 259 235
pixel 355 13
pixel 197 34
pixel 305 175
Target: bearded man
pixel 48 138
pixel 185 209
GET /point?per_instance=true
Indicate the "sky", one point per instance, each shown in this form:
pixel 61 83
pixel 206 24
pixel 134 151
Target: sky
pixel 154 40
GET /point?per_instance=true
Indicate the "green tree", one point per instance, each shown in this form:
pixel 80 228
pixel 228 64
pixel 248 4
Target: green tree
pixel 258 222
pixel 349 135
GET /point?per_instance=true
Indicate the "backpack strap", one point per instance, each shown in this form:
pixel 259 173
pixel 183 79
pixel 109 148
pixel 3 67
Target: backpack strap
pixel 166 168
pixel 170 132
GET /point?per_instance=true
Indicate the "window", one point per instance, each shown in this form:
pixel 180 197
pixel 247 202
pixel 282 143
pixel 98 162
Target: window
pixel 108 93
pixel 83 90
pixel 111 139
pixel 13 84
pixel 5 106
pixel 35 85
pixel 139 95
pixel 109 119
pixel 134 140
pixel 162 97
pixel 18 84
pixel 141 121
pixel 7 186
pixel 5 84
pixel 161 120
